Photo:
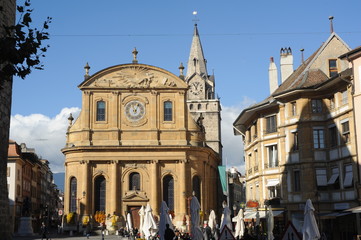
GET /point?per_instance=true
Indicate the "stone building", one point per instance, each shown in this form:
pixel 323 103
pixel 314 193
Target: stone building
pixel 135 142
pixel 30 183
pixel 201 99
pixel 300 142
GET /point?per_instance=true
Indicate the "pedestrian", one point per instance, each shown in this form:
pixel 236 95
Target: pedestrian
pixel 168 233
pixel 177 235
pixel 88 230
pixel 207 231
pixel 44 231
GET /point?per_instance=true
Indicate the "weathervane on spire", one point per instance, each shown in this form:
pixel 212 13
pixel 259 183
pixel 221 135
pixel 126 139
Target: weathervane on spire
pixel 195 17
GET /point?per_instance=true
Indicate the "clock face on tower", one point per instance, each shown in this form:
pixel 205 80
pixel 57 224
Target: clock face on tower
pixel 134 110
pixel 196 88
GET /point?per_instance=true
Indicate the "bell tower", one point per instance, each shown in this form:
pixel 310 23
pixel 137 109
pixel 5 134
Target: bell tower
pixel 202 104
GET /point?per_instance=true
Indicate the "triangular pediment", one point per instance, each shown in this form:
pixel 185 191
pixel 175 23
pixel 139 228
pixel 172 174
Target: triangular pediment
pixel 135 196
pixel 135 76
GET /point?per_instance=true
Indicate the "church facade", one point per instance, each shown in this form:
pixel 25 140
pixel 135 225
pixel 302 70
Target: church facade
pixel 136 142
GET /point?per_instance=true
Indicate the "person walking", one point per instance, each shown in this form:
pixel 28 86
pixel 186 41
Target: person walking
pixel 88 230
pixel 44 231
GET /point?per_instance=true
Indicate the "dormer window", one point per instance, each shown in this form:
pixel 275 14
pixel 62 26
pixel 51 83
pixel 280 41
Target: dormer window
pixel 332 66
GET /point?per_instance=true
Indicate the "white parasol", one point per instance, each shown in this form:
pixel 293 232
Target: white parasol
pixel 164 219
pixel 212 220
pixel 149 225
pixel 270 224
pixel 310 229
pixel 141 213
pixel 196 231
pixel 129 223
pixel 239 228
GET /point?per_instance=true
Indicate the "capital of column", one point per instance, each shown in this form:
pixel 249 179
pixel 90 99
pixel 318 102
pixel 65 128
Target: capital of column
pixel 184 161
pixel 114 161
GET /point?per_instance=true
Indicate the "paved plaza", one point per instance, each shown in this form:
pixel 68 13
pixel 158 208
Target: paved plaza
pixel 74 237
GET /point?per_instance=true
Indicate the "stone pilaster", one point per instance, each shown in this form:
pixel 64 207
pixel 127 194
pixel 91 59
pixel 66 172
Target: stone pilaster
pixel 85 201
pixel 114 186
pixel 154 187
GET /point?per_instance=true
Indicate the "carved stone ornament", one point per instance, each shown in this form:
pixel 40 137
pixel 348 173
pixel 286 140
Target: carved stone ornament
pixel 134 77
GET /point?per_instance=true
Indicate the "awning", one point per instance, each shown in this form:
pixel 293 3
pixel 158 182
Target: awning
pixel 333 215
pixel 272 182
pixel 262 214
pixel 354 210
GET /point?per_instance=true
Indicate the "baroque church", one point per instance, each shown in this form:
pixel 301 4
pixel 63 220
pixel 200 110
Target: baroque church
pixel 145 135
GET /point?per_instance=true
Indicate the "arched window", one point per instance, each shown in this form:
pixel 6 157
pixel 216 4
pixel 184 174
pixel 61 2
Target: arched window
pixel 73 188
pixel 196 182
pixel 100 194
pixel 100 111
pixel 168 191
pixel 134 181
pixel 191 106
pixel 199 106
pixel 168 111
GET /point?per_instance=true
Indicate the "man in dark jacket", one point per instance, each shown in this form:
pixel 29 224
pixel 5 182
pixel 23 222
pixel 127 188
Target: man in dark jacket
pixel 168 233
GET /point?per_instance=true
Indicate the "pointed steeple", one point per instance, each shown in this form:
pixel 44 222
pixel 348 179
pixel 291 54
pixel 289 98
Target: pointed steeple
pixel 196 61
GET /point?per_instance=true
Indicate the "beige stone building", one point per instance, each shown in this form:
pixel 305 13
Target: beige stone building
pixel 300 143
pixel 135 142
pixel 354 58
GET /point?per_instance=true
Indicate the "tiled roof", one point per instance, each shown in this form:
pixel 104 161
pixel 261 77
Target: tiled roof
pixel 13 150
pixel 303 77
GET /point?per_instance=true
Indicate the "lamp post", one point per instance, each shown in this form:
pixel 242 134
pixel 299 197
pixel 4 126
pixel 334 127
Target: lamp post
pixel 318 198
pixel 78 202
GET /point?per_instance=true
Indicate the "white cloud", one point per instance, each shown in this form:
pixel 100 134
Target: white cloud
pixel 45 134
pixel 232 145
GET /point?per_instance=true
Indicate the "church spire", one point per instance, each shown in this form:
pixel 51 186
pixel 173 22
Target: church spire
pixel 196 61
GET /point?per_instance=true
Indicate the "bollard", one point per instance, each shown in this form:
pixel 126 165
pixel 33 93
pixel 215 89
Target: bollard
pixel 102 235
pixel 71 233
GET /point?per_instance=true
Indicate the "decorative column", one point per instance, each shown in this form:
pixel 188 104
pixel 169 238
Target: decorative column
pixel 85 202
pixel 115 193
pixel 85 117
pixel 182 189
pixel 154 187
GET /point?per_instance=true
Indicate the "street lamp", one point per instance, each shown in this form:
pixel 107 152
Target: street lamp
pixel 318 198
pixel 78 201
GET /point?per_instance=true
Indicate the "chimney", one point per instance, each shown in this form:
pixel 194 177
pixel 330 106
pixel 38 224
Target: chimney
pixel 273 76
pixel 286 63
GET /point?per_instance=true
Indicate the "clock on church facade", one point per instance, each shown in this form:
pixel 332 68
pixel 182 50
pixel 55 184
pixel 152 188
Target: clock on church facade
pixel 135 143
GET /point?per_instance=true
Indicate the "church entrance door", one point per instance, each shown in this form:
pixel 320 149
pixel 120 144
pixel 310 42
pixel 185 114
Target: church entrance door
pixel 135 215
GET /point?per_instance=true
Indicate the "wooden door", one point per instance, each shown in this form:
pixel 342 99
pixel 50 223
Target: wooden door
pixel 135 216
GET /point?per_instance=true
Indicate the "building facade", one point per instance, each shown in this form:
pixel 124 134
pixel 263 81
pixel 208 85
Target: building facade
pixel 300 142
pixel 354 58
pixel 30 185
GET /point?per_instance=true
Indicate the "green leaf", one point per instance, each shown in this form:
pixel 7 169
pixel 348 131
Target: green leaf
pixel 20 9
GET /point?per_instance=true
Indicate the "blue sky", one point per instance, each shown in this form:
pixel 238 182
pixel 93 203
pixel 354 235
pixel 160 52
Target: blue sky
pixel 238 39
